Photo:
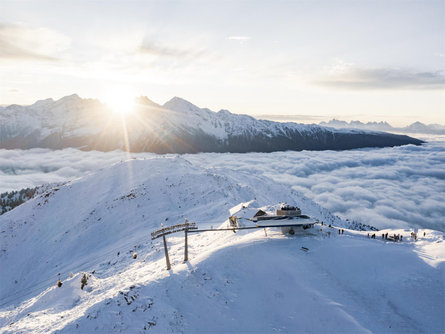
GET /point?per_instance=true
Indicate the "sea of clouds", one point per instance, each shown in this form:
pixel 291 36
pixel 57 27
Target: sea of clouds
pixel 389 187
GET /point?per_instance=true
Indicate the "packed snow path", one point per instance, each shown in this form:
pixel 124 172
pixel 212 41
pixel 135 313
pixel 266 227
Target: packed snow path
pixel 234 282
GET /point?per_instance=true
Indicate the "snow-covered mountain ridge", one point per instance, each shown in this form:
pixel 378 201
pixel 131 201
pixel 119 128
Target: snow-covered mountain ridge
pixel 176 127
pixel 416 127
pixel 249 281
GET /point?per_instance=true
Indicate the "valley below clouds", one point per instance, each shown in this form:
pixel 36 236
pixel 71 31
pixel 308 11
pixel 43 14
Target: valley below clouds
pixel 396 187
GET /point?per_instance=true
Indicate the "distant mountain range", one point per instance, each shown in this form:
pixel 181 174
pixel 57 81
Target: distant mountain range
pixel 178 126
pixel 416 127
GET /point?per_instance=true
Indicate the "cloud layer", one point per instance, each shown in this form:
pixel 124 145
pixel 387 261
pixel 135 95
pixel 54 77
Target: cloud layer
pixel 30 168
pixel 389 187
pixel 20 42
pixel 350 77
pixel 152 48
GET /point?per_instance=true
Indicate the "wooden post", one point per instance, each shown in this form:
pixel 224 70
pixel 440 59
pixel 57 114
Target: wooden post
pixel 167 259
pixel 186 258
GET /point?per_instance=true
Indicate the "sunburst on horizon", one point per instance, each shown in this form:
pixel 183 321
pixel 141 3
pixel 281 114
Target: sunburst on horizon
pixel 120 101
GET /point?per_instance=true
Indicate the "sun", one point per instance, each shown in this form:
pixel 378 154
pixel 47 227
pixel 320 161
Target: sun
pixel 120 101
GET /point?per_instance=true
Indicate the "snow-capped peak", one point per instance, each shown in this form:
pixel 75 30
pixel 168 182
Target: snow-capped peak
pixel 180 105
pixel 68 98
pixel 224 112
pixel 144 100
pixel 42 103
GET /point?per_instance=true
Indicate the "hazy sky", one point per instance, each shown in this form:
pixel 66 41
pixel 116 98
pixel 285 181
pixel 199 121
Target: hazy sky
pixel 367 60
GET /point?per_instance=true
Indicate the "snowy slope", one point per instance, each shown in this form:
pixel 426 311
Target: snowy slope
pixel 243 282
pixel 11 199
pixel 176 127
pixel 107 207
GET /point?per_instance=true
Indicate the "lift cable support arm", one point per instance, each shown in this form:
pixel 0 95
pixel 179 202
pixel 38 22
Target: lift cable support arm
pixel 173 229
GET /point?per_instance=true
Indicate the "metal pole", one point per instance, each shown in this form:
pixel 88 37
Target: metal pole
pixel 186 246
pixel 167 259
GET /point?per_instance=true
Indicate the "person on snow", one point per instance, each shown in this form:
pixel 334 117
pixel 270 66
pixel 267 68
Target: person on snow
pixel 84 281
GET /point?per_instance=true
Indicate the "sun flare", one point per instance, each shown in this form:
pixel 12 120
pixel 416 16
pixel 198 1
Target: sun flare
pixel 120 101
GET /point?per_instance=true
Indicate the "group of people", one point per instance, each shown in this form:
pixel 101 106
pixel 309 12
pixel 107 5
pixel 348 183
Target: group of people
pixel 83 281
pixel 340 230
pixel 385 236
pixel 395 237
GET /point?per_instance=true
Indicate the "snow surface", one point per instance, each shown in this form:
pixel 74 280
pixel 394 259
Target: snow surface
pixel 251 281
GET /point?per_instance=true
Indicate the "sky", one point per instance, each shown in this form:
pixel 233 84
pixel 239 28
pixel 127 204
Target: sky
pixel 350 60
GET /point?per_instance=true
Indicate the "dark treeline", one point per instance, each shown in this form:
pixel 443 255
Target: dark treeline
pixel 11 199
